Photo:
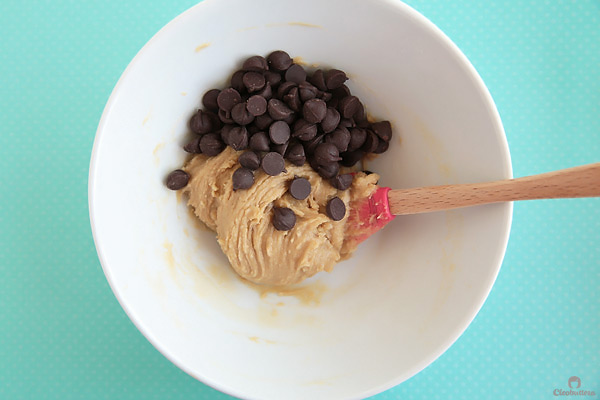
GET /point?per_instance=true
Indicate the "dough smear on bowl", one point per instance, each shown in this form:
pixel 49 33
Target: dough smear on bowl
pixel 242 219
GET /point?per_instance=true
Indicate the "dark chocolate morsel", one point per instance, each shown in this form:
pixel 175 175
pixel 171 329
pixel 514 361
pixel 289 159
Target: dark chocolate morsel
pixel 299 188
pixel 383 129
pixel 177 179
pixel 242 178
pixel 334 78
pixel 279 132
pixel 211 144
pixel 382 147
pixel 238 138
pixel 241 115
pixel 350 158
pixel 266 92
pixel 253 81
pixel 342 182
pixel 278 110
pixel 193 146
pixel 256 105
pixel 331 120
pixel 292 99
pixel 328 171
pixel 209 100
pixel 304 130
pixel 262 122
pixel 295 154
pixel 279 60
pixel 273 78
pixel 284 88
pixel 340 138
pixel 225 116
pixel 314 110
pixel 256 64
pixel 357 138
pixel 228 98
pixel 273 164
pixel 249 159
pixel 295 73
pixel 348 106
pixel 307 91
pixel 336 209
pixel 318 79
pixel 371 142
pixel 284 218
pixel 326 153
pixel 237 81
pixel 201 122
pixel 259 142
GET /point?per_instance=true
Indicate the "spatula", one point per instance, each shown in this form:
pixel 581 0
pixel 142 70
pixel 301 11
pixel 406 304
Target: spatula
pixel 369 215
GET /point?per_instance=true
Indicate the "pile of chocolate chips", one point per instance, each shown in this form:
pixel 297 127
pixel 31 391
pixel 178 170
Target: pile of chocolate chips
pixel 274 110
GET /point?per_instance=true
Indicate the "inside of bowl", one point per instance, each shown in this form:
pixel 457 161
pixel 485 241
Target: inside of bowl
pixel 381 316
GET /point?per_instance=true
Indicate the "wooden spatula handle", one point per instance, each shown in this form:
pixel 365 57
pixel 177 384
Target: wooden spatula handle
pixel 583 181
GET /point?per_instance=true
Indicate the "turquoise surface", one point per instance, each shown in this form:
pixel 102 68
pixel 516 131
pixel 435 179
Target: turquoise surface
pixel 64 336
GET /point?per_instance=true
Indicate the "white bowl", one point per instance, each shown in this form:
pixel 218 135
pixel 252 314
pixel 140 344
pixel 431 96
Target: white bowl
pixel 378 318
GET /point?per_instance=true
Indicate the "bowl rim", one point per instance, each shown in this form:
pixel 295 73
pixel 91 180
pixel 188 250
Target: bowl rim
pixel 501 251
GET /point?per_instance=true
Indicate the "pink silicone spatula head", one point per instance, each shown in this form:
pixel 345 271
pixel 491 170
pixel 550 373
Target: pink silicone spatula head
pixel 368 215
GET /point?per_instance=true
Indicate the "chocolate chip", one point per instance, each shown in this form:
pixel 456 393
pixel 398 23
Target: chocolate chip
pixel 325 96
pixel 242 178
pixel 237 81
pixel 279 132
pixel 253 81
pixel 383 130
pixel 266 92
pixel 307 91
pixel 304 130
pixel 341 92
pixel 273 78
pixel 262 122
pixel 336 209
pixel 273 164
pixel 347 123
pixel 382 147
pixel 348 106
pixel 295 154
pixel 334 78
pixel 326 153
pixel 250 160
pixel 177 179
pixel 252 129
pixel 340 138
pixel 314 110
pixel 211 144
pixel 193 146
pixel 284 218
pixel 256 105
pixel 259 142
pixel 342 182
pixel 295 73
pixel 371 142
pixel 278 110
pixel 299 188
pixel 292 99
pixel 291 119
pixel 331 120
pixel 360 116
pixel 328 171
pixel 309 146
pixel 279 60
pixel 238 138
pixel 333 103
pixel 228 98
pixel 357 138
pixel 241 115
pixel 256 64
pixel 350 158
pixel 209 100
pixel 280 148
pixel 284 88
pixel 225 116
pixel 318 79
pixel 201 123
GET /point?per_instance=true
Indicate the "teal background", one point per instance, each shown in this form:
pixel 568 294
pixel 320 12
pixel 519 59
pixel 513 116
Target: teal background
pixel 64 336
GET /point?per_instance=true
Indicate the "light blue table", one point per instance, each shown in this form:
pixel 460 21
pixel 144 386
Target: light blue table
pixel 63 334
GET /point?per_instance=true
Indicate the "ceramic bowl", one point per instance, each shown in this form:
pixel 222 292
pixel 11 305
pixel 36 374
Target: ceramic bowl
pixel 380 317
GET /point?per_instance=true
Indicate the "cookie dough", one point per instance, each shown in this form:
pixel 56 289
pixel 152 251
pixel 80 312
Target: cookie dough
pixel 242 219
